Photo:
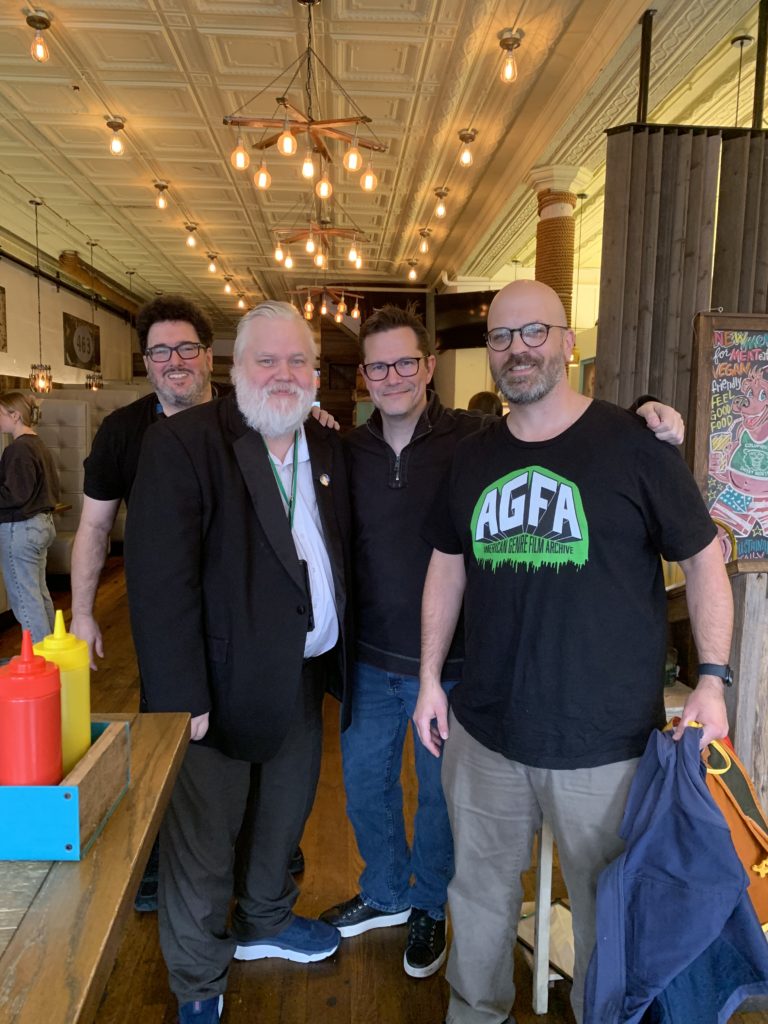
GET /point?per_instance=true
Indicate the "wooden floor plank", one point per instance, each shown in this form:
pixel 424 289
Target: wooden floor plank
pixel 364 983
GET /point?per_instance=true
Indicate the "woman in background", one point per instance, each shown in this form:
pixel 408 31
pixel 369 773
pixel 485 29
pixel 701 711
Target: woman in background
pixel 29 491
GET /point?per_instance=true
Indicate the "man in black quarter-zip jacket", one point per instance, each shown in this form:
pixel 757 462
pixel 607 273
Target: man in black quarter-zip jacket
pixel 397 461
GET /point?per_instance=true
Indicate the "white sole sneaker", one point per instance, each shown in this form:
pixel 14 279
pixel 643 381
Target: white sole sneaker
pixel 385 921
pixel 424 972
pixel 263 951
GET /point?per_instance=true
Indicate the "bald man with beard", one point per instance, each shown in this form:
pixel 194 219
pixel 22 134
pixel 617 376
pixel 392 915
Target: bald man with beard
pixel 549 529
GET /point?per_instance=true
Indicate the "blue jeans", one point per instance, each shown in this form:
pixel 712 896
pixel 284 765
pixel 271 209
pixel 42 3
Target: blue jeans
pixel 23 554
pixel 372 751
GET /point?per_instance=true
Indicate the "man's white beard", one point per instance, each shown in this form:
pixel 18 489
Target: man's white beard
pixel 272 416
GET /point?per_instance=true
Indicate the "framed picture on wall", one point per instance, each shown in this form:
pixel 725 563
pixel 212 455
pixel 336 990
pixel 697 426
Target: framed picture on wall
pixel 587 377
pixel 82 345
pixel 3 323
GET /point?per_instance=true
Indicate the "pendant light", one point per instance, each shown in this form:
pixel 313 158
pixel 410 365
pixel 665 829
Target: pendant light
pixel 412 275
pixel 39 21
pixel 369 181
pixel 324 188
pixel 319 259
pixel 228 285
pixel 338 317
pixel 342 306
pixel 212 262
pixel 40 379
pixel 353 159
pixel 324 306
pixel 424 234
pixel 287 144
pixel 509 41
pixel 279 253
pixel 467 136
pixel 262 178
pixel 191 237
pixel 239 157
pixel 440 208
pixel 288 261
pixel 241 301
pixel 308 166
pixel 310 243
pixel 116 144
pixel 352 254
pixel 162 199
pixel 359 262
pixel 355 314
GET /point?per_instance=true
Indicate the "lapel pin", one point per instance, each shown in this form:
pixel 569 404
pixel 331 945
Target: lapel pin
pixel 325 480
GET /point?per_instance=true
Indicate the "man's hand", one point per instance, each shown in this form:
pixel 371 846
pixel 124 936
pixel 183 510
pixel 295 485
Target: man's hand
pixel 666 422
pixel 323 417
pixel 706 705
pixel 85 627
pixel 198 727
pixel 431 717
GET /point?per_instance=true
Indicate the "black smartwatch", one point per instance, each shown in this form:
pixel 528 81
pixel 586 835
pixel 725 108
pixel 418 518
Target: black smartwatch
pixel 724 672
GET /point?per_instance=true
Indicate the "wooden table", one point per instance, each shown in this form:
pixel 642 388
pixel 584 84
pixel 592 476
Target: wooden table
pixel 61 923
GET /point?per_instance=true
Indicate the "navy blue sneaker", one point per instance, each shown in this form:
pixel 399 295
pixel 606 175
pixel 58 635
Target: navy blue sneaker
pixel 202 1011
pixel 303 940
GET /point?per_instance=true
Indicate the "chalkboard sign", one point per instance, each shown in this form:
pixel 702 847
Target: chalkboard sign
pixel 730 426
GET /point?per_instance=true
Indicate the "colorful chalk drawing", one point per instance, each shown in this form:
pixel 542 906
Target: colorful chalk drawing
pixel 737 463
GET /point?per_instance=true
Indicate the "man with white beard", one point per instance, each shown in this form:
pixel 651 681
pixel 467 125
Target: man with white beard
pixel 237 567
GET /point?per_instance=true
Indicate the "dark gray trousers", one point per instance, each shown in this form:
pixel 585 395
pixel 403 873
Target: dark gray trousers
pixel 219 806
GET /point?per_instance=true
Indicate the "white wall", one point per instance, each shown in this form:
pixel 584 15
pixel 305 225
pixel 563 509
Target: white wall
pixel 21 315
pixel 461 373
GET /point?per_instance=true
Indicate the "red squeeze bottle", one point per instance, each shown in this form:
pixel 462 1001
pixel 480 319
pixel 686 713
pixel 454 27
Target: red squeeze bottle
pixel 30 720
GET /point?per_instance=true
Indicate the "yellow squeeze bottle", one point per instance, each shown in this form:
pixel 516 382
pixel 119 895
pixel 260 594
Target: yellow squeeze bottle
pixel 71 655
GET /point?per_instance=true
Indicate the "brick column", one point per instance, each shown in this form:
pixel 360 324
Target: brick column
pixel 556 187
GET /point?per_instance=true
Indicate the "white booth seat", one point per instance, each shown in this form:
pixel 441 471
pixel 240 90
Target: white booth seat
pixel 65 428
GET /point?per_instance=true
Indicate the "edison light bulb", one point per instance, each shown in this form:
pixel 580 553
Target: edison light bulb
pixel 116 147
pixel 241 303
pixel 369 181
pixel 212 265
pixel 338 317
pixel 279 254
pixel 324 307
pixel 262 178
pixel 412 274
pixel 465 157
pixel 319 258
pixel 310 246
pixel 191 240
pixel 239 158
pixel 509 69
pixel 288 262
pixel 352 159
pixel 355 314
pixel 287 144
pixel 228 287
pixel 440 210
pixel 161 202
pixel 309 306
pixel 308 167
pixel 324 188
pixel 352 254
pixel 342 306
pixel 359 263
pixel 39 49
pixel 424 245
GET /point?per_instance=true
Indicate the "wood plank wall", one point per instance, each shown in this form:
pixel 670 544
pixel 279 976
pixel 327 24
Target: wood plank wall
pixel 658 241
pixel 740 279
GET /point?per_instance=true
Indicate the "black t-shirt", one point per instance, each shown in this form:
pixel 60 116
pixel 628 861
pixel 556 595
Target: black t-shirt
pixel 565 615
pixel 110 468
pixel 29 481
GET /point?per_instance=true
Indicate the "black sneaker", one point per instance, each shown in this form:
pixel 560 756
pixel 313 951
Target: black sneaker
pixel 355 917
pixel 425 951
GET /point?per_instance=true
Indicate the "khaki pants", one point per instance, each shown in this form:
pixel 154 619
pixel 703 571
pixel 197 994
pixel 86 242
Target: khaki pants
pixel 496 806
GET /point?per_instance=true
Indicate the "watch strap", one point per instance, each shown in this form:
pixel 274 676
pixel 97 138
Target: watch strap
pixel 724 672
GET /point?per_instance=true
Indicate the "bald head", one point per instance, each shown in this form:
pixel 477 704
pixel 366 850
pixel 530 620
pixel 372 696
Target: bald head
pixel 526 302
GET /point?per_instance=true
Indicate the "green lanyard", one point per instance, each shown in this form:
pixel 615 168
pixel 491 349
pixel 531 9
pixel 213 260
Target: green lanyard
pixel 289 502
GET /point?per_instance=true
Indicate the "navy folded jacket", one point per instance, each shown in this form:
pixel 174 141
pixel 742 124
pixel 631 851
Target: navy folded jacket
pixel 678 941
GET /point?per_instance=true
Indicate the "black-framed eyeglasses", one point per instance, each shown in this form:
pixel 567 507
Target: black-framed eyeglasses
pixel 533 335
pixel 163 353
pixel 408 366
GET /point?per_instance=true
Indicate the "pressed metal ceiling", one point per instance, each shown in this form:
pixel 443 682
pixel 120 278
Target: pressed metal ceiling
pixel 421 69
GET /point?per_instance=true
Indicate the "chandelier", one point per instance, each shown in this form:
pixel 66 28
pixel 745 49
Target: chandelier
pixel 294 122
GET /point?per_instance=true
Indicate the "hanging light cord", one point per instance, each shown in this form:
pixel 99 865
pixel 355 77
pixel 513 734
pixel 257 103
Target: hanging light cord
pixel 37 274
pixel 738 80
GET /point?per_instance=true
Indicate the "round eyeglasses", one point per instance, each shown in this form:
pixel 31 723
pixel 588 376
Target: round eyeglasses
pixel 533 335
pixel 163 353
pixel 408 366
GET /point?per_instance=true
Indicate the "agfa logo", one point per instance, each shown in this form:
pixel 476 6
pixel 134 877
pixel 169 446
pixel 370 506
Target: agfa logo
pixel 532 518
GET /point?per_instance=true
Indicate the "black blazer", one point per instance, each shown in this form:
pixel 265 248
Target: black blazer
pixel 217 595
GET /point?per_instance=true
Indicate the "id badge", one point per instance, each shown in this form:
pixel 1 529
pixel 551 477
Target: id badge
pixel 311 619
